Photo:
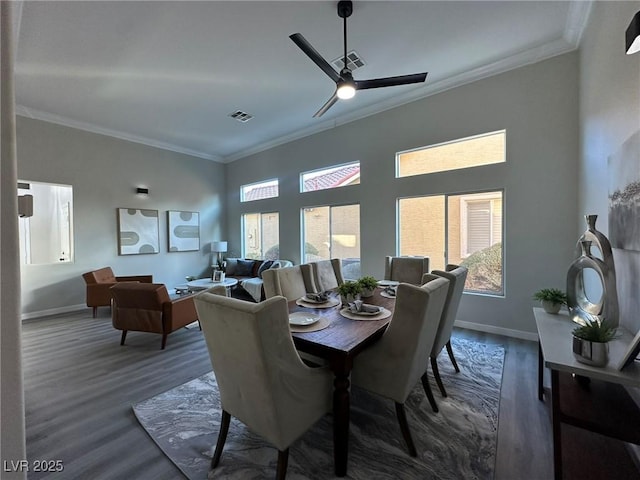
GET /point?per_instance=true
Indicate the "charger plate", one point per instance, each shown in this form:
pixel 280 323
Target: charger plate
pixel 332 302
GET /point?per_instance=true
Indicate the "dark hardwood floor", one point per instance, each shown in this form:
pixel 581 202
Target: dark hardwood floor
pixel 80 385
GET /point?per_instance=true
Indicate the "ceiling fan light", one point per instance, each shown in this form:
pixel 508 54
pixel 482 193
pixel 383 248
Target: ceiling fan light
pixel 346 90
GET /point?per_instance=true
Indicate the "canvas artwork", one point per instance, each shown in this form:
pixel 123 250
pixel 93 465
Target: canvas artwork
pixel 137 231
pixel 624 195
pixel 184 231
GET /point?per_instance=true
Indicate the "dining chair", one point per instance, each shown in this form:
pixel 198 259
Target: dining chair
pixel 392 366
pixel 262 380
pixel 323 275
pixel 406 269
pixel 457 277
pixel 287 282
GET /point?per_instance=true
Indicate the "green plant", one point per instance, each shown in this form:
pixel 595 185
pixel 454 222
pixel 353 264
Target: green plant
pixel 485 270
pixel 552 295
pixel 595 331
pixel 349 288
pixel 368 282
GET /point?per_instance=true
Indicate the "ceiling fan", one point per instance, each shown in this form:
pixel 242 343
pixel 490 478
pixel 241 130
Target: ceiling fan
pixel 346 86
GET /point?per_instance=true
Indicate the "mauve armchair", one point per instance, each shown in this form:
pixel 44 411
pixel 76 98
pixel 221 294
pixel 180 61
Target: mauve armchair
pixel 100 281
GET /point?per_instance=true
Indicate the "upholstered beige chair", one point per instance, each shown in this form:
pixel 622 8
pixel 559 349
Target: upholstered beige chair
pixel 286 282
pixel 392 366
pixel 147 307
pixel 100 281
pixel 457 277
pixel 323 275
pixel 406 269
pixel 262 381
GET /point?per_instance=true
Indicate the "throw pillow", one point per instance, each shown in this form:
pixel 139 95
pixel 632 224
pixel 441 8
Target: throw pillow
pixel 232 265
pixel 244 268
pixel 265 265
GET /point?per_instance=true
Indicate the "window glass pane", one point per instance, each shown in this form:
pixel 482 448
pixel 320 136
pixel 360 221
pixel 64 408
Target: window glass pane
pixel 333 232
pixel 464 153
pixel 332 177
pixel 260 235
pixel 422 228
pixel 258 191
pixel 475 239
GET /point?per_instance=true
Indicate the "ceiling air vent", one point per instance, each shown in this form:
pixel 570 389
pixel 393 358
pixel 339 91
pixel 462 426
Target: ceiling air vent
pixel 241 116
pixel 354 61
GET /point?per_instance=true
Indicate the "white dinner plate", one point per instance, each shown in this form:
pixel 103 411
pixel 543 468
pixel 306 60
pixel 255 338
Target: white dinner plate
pixel 388 283
pixel 303 318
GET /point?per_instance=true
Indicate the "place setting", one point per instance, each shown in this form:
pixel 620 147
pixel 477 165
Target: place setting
pixel 318 300
pixel 307 322
pixel 389 288
pixel 358 310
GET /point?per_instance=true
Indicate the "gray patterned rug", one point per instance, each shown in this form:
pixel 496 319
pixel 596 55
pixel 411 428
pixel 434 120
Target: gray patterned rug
pixel 458 442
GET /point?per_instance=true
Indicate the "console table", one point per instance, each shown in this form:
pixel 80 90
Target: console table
pixel 603 406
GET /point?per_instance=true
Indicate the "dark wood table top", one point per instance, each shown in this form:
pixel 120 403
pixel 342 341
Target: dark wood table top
pixel 342 335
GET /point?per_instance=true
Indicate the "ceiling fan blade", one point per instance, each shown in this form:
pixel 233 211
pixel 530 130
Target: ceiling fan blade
pixel 326 106
pixel 315 57
pixel 391 81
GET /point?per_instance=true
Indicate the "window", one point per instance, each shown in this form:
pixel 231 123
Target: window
pixel 260 235
pixel 467 152
pixel 332 177
pixel 333 232
pixel 461 229
pixel 47 236
pixel 259 191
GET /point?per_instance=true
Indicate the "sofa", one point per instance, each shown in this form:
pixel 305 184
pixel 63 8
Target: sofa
pixel 248 272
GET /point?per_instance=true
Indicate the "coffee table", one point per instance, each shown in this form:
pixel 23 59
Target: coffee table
pixel 206 283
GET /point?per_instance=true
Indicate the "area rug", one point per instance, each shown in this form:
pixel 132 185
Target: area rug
pixel 458 442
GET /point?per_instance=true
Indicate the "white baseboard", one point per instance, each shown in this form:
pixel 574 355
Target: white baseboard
pixel 53 311
pixel 507 332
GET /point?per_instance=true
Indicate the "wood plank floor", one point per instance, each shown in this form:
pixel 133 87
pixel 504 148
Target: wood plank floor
pixel 80 385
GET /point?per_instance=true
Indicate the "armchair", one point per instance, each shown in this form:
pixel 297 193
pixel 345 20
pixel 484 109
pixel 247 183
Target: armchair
pixel 147 307
pixel 100 281
pixel 323 275
pixel 406 269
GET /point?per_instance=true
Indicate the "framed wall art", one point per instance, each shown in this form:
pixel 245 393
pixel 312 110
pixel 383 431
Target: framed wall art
pixel 184 231
pixel 137 231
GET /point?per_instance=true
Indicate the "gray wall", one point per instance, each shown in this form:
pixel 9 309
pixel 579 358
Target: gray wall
pixel 537 105
pixel 104 173
pixel 609 115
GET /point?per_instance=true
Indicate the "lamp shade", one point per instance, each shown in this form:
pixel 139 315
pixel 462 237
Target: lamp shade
pixel 219 246
pixel 632 36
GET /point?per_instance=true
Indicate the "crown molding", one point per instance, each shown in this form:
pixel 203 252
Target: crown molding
pixel 90 127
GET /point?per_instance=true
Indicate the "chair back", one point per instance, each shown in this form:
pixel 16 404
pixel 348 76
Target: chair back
pixel 102 275
pixel 138 306
pixel 323 275
pixel 286 282
pixel 457 277
pixel 261 378
pixel 406 269
pixel 393 366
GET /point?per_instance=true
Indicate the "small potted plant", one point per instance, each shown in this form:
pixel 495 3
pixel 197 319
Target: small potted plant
pixel 349 291
pixel 368 285
pixel 590 342
pixel 551 299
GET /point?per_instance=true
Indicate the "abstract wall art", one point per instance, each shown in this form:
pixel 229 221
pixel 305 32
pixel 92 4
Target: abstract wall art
pixel 184 231
pixel 137 231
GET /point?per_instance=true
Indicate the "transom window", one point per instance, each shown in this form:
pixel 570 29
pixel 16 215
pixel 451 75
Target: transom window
pixel 331 177
pixel 260 235
pixel 259 191
pixel 464 153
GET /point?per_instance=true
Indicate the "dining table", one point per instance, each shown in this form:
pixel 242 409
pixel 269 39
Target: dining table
pixel 339 344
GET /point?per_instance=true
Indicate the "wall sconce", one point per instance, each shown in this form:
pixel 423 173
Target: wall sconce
pixel 25 205
pixel 142 192
pixel 632 36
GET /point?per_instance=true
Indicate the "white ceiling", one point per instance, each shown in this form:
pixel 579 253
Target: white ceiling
pixel 168 73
